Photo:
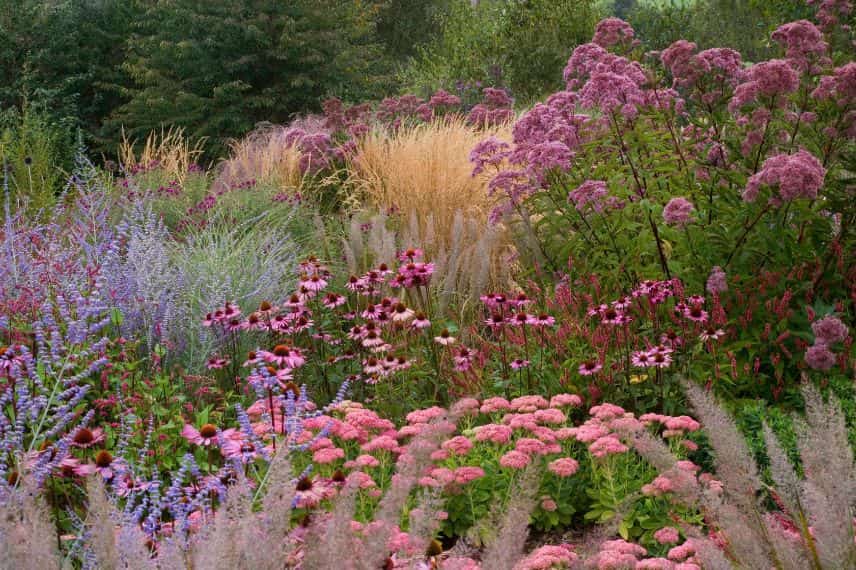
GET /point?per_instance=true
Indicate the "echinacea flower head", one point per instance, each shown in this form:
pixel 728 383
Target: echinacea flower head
pixel 590 367
pixel 84 437
pixel 420 321
pixel 696 313
pixel 519 363
pixel 641 359
pixel 711 333
pixel 445 338
pixel 205 436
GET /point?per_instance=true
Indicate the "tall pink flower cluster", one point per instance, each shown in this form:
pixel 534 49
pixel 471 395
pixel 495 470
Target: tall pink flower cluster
pixel 798 175
pixel 773 79
pixel 495 109
pixel 827 331
pixel 712 71
pixel 804 45
pixel 613 32
pixel 678 212
pixel 831 12
pixel 590 195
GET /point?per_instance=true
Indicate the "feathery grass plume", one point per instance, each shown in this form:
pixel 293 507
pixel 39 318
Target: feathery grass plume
pixel 267 156
pixel 425 520
pixel 275 513
pixel 508 546
pixel 28 537
pixel 331 538
pixel 735 465
pixel 737 511
pixel 100 528
pixel 782 472
pixel 828 492
pixel 411 464
pixel 225 542
pixel 423 170
pixel 170 150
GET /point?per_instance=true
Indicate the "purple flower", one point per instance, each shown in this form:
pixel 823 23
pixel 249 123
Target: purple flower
pixel 819 357
pixel 798 175
pixel 829 330
pixel 678 212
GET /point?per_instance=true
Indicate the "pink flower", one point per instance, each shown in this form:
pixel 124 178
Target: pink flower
pixel 819 357
pixel 458 445
pixel 495 404
pixel 589 195
pixel 384 442
pixel 564 467
pixel 829 330
pixel 548 556
pixel 328 455
pixel 205 436
pixel 515 460
pixel 464 475
pixel 493 432
pixel 717 281
pixel 529 403
pixel 678 212
pixel 590 367
pixel 798 175
pixel 803 42
pixel 773 78
pixel 550 416
pixel 667 535
pixel 84 437
pixel 613 32
pixel 561 400
pixel 607 445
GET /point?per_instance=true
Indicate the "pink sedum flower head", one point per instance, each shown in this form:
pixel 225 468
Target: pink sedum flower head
pixel 667 535
pixel 564 467
pixel 515 460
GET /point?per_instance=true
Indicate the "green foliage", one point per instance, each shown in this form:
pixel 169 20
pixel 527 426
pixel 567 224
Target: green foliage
pixel 522 45
pixel 35 152
pixel 65 57
pixel 217 69
pixel 744 25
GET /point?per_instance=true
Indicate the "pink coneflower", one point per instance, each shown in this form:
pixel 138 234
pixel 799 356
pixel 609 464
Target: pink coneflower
pixel 204 436
pixel 445 338
pixel 84 437
pixel 105 464
pixel 696 313
pixel 126 484
pixel 520 300
pixel 520 319
pixel 495 321
pixel 519 363
pixel 401 313
pixel 284 355
pixel 309 493
pixel 372 366
pixel 463 358
pixel 543 320
pixel 711 333
pixel 420 321
pixel 590 367
pixel 314 283
pixel 611 316
pixel 660 359
pixel 410 254
pixel 215 363
pixel 641 359
pixel 254 322
pixel 333 300
pixel 596 310
pixel 372 339
pixel 622 303
pixel 671 338
pixel 355 284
